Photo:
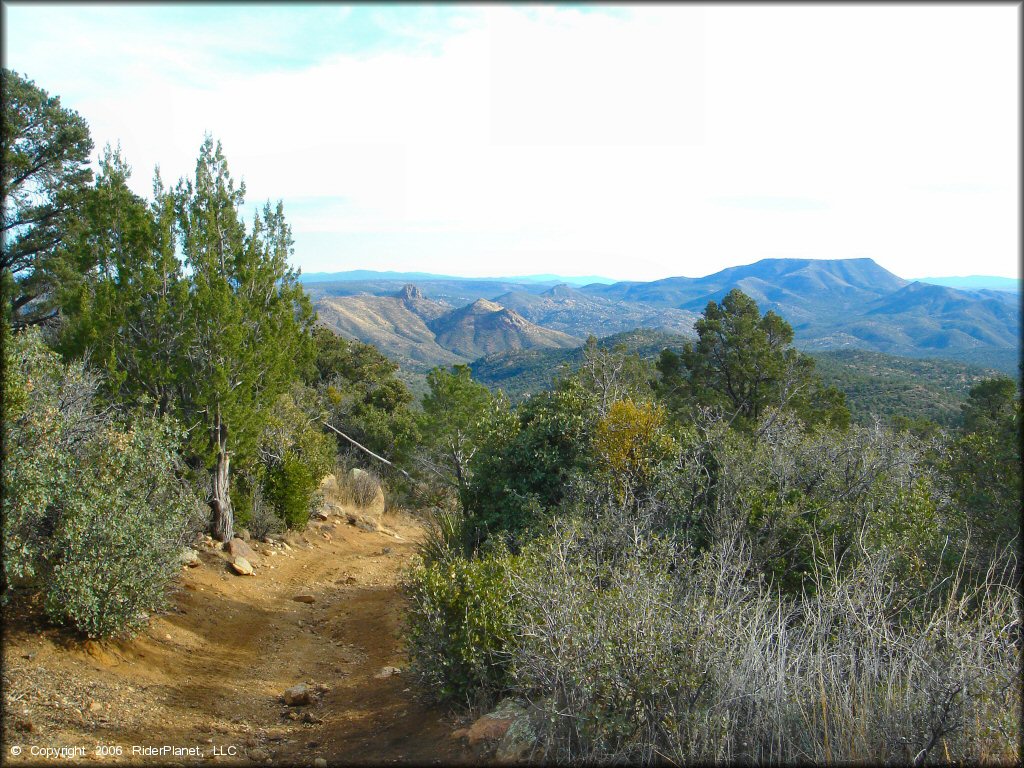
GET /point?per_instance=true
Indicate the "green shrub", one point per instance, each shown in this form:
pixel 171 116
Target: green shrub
pixel 459 626
pixel 117 542
pixel 296 456
pixel 528 460
pixel 252 511
pixel 95 514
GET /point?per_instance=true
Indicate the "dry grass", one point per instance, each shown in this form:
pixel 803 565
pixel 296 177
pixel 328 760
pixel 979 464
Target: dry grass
pixel 650 656
pixel 356 490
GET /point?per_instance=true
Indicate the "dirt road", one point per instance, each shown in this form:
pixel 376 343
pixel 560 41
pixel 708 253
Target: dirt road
pixel 208 675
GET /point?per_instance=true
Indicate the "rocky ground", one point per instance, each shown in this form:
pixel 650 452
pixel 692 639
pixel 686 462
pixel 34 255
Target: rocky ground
pixel 206 681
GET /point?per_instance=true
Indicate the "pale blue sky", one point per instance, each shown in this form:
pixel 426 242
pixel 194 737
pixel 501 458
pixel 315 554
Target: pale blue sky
pixel 636 142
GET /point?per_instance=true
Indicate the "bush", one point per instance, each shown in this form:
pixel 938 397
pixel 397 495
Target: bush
pixel 362 487
pixel 459 626
pixel 644 656
pixel 296 454
pixel 94 512
pixel 527 461
pixel 117 542
pixel 254 514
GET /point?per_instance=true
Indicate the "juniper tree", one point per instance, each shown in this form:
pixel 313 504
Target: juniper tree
pixel 248 321
pixel 744 363
pixel 125 295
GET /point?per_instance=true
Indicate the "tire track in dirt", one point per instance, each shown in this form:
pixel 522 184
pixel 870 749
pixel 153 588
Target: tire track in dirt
pixel 210 672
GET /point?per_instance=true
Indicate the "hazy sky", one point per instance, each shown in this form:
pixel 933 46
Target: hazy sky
pixel 635 142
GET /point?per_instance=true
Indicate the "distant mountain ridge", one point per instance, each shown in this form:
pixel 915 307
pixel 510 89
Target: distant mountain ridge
pixel 831 304
pixel 421 333
pixel 572 311
pixel 484 327
pixel 369 274
pixel 976 282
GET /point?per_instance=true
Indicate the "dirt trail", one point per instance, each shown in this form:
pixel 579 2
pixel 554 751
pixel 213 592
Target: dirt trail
pixel 208 675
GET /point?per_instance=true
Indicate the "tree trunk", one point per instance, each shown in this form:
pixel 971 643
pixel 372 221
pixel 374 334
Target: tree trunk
pixel 220 489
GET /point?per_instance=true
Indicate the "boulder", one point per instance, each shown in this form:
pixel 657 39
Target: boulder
pixel 518 741
pixel 304 599
pixel 244 535
pixel 509 725
pixel 362 523
pixel 242 566
pixel 238 548
pixel 190 558
pixel 488 728
pixel 298 695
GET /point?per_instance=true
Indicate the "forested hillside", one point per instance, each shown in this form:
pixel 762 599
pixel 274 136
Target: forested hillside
pixel 875 385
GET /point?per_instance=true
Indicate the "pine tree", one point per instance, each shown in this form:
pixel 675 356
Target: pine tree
pixel 44 157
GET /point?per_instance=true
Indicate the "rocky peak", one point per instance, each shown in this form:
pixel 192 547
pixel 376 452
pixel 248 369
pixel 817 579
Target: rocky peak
pixel 410 292
pixel 483 305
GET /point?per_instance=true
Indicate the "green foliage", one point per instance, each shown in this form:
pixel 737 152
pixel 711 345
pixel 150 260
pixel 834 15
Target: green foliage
pixel 249 322
pixel 44 157
pixel 895 389
pixel 94 513
pixel 125 305
pixel 527 460
pixel 455 413
pixel 295 454
pixel 984 464
pixel 459 626
pixel 109 571
pixel 212 338
pixel 743 363
pixel 363 395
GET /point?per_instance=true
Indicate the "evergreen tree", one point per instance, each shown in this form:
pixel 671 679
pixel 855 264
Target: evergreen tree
pixel 744 363
pixel 44 157
pixel 455 416
pixel 249 323
pixel 125 295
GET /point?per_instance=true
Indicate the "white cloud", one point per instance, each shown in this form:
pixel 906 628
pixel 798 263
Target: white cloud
pixel 634 142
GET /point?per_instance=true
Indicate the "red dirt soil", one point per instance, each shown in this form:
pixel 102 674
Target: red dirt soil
pixel 208 674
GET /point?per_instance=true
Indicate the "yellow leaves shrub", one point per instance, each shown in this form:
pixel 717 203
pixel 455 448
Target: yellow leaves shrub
pixel 630 441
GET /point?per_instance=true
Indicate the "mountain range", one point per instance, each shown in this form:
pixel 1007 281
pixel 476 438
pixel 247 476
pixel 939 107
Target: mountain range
pixel 420 333
pixel 831 304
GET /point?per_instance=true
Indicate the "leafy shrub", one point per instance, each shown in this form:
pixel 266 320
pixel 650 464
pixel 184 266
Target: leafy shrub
pixel 459 626
pixel 527 461
pixel 630 441
pixel 94 512
pixel 296 454
pixel 118 538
